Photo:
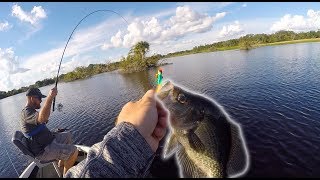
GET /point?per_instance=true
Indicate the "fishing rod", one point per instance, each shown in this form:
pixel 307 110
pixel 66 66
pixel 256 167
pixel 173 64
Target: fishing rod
pixel 57 78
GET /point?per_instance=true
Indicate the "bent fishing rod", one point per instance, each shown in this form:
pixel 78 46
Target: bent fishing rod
pixel 57 78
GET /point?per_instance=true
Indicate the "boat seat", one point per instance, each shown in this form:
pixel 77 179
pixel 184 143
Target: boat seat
pixel 20 141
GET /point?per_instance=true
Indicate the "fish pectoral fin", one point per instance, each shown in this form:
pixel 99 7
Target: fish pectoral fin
pixel 195 142
pixel 170 146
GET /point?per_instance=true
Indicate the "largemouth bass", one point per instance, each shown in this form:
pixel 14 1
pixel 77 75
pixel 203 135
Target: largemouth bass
pixel 206 142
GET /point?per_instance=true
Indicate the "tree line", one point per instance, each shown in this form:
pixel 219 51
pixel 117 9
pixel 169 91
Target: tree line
pixel 136 59
pixel 78 73
pixel 249 41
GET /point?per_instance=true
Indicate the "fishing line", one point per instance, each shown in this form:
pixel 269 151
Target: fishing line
pixel 10 160
pixel 102 10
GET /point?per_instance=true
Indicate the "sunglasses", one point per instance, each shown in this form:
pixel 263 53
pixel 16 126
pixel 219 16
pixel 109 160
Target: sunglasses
pixel 40 99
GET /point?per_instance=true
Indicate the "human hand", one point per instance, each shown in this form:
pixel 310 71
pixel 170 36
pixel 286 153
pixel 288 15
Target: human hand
pixel 148 116
pixel 53 92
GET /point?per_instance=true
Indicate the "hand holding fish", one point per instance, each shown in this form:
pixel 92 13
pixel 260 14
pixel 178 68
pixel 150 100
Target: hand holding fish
pixel 148 116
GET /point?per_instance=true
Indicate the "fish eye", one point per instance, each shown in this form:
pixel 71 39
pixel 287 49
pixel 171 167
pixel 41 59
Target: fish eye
pixel 202 111
pixel 182 98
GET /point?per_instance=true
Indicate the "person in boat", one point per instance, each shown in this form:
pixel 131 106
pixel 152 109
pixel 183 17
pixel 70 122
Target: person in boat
pixel 43 143
pixel 129 148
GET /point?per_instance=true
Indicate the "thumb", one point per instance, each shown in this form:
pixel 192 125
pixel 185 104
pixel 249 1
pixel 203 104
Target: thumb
pixel 149 96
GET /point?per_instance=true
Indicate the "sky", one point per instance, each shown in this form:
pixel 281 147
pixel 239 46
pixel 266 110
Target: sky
pixel 34 34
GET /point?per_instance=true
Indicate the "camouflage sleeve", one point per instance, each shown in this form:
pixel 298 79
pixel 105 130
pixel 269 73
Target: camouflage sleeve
pixel 122 153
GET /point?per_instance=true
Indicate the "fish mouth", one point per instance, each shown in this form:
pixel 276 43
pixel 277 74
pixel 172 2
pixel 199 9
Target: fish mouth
pixel 182 127
pixel 165 90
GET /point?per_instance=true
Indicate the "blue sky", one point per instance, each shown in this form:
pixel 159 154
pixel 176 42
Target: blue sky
pixel 33 34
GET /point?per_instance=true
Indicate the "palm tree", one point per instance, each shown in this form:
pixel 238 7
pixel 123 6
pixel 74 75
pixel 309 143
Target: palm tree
pixel 140 49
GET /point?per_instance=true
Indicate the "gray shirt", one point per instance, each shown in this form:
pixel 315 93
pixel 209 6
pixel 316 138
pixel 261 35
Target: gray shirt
pixel 29 123
pixel 123 152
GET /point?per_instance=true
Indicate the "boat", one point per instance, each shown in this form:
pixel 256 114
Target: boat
pixel 39 169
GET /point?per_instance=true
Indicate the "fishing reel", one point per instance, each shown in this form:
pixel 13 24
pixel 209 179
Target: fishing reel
pixel 60 106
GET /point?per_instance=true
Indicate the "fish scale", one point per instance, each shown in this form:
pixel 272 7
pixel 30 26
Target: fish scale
pixel 208 166
pixel 209 141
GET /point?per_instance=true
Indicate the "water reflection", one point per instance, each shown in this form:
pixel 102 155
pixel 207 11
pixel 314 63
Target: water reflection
pixel 144 80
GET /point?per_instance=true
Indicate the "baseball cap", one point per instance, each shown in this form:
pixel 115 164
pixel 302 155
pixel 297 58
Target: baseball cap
pixel 35 92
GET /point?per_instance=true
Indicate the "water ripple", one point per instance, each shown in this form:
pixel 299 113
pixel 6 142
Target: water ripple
pixel 273 92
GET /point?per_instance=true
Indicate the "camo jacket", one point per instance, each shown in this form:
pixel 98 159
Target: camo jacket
pixel 123 152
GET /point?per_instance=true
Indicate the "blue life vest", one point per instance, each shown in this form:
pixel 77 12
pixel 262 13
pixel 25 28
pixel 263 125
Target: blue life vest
pixel 35 131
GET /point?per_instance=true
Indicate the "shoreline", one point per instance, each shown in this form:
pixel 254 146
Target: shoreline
pixel 254 46
pixel 218 49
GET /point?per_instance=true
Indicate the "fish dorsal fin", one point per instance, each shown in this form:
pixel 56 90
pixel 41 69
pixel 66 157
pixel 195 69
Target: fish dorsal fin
pixel 187 167
pixel 195 142
pixel 238 158
pixel 171 146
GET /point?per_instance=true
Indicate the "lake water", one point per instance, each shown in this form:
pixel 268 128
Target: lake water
pixel 272 92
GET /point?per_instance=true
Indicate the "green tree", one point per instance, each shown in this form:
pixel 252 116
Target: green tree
pixel 136 59
pixel 140 49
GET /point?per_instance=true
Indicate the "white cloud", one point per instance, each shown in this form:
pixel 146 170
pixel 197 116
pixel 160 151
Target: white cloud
pixel 172 46
pixel 249 26
pixel 106 46
pixel 33 17
pixel 158 34
pixel 142 30
pixel 298 22
pixel 231 30
pixel 185 21
pixel 13 76
pixel 244 5
pixel 5 82
pixel 9 67
pixel 36 14
pixel 116 40
pixel 5 26
pixel 9 62
pixel 76 61
pixel 45 65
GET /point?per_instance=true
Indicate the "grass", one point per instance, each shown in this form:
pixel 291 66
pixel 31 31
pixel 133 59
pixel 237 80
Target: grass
pixel 290 42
